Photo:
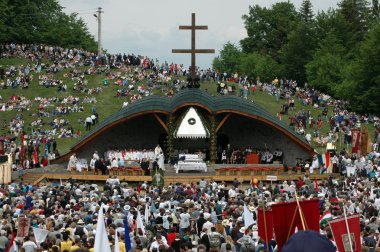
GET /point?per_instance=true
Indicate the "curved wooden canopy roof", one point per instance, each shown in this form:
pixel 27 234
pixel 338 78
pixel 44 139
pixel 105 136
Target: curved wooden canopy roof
pixel 185 98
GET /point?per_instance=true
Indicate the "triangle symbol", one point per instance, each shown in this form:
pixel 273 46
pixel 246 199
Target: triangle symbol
pixel 192 126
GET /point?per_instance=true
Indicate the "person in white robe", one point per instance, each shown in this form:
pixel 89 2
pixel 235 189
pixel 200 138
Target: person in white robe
pixel 92 164
pixel 160 162
pixel 157 151
pixel 72 162
pixel 314 165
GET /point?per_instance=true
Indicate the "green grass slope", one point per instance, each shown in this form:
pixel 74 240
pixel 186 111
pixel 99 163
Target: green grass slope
pixel 108 103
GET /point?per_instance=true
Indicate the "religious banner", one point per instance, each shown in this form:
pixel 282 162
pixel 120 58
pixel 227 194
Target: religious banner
pixel 265 225
pixel 2 149
pixel 355 133
pixel 365 142
pixel 35 156
pixel 23 227
pixel 347 234
pixel 285 227
pixel 158 177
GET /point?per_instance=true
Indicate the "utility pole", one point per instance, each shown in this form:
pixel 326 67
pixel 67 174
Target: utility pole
pixel 99 18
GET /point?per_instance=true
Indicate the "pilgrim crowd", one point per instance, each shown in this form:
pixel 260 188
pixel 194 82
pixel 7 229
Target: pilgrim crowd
pixel 137 76
pixel 204 216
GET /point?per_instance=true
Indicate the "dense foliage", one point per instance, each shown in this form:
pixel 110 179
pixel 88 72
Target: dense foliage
pixel 336 51
pixel 42 21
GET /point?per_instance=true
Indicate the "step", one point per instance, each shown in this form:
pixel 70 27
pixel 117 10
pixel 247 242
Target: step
pixel 31 178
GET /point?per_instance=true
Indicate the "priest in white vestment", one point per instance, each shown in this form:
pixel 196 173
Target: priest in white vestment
pixel 160 162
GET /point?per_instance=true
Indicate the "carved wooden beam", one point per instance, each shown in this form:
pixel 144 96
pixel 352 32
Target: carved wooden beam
pixel 222 122
pixel 161 122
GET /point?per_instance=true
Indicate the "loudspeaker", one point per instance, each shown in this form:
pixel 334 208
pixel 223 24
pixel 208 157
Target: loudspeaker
pixel 3 159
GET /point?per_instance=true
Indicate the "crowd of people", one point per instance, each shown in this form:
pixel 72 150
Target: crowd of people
pixel 204 216
pixel 147 159
pixel 231 155
pixel 331 112
pixel 136 76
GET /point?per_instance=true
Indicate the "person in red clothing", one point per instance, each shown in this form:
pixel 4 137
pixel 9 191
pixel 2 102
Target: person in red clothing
pixel 44 162
pixel 300 183
pixel 171 236
pixel 319 123
pixel 189 191
pixel 176 243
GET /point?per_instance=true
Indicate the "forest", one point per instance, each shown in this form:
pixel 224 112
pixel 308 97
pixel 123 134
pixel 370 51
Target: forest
pixel 43 22
pixel 335 51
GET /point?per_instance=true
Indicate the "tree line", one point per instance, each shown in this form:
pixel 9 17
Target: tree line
pixel 336 51
pixel 43 21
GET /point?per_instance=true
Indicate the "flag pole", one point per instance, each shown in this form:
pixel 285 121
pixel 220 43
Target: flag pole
pixel 348 229
pixel 300 211
pixel 265 229
pixel 291 225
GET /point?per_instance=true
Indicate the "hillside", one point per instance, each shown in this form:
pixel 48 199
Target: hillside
pixel 102 82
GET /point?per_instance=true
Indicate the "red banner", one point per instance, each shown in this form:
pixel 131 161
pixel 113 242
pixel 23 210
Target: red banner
pixel 23 227
pixel 286 218
pixel 355 141
pixel 2 150
pixel 265 225
pixel 35 156
pixel 342 236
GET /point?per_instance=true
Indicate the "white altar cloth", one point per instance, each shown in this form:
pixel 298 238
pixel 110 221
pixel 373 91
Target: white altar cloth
pixel 190 162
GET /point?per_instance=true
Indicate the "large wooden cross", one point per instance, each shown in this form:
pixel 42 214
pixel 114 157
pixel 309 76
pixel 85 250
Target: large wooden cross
pixel 193 51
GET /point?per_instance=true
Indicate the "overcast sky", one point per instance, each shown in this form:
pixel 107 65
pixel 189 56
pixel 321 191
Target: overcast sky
pixel 150 27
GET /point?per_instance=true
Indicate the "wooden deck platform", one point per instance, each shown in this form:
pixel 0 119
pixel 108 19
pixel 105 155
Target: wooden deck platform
pixel 188 178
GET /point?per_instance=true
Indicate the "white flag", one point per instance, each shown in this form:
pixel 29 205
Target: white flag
pixel 247 217
pixel 140 223
pixel 372 195
pixel 102 244
pixel 117 248
pixel 146 214
pixel 40 235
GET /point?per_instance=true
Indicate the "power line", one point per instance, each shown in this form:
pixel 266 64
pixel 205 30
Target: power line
pixel 47 14
pixel 79 10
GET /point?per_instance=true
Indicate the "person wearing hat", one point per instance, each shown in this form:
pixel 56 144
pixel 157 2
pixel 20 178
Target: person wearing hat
pixel 80 229
pixel 245 243
pixel 310 241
